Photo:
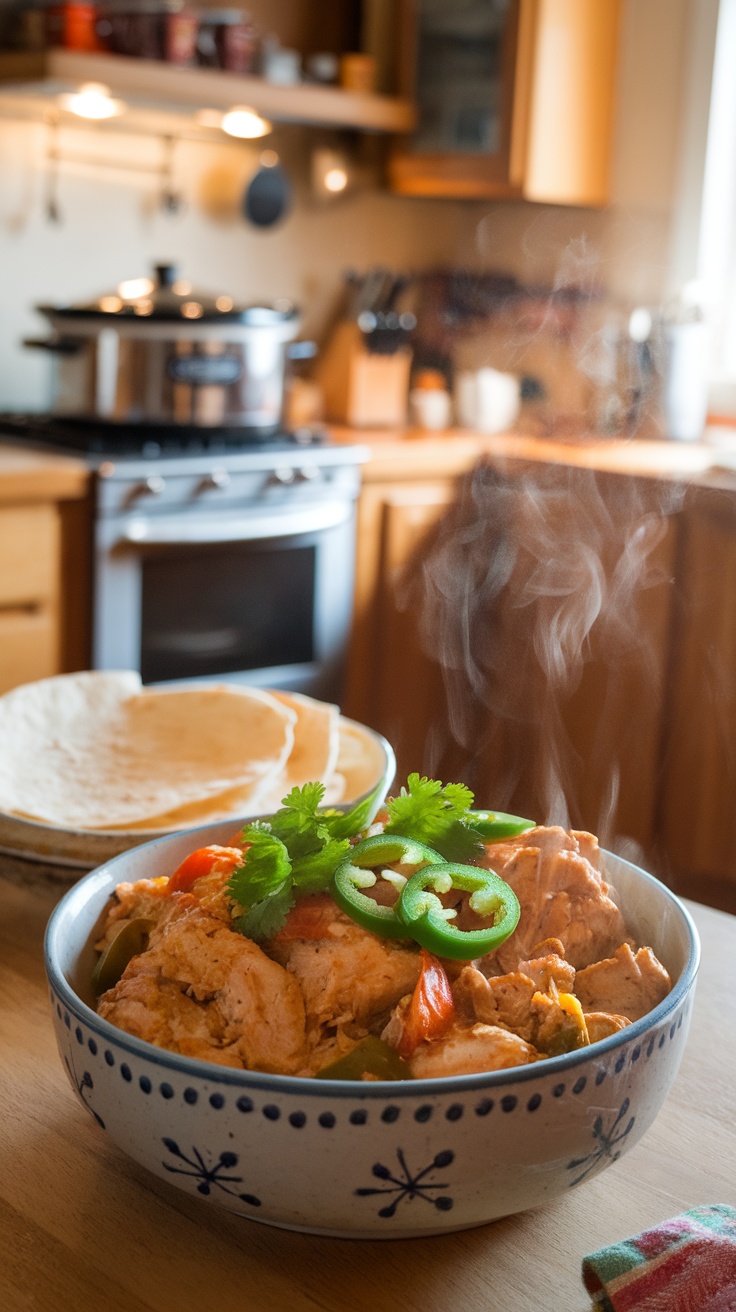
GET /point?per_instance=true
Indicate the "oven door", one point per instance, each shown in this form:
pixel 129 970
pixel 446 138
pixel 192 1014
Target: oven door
pixel 262 596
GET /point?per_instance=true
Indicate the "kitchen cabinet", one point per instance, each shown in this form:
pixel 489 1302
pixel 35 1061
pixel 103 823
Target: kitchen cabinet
pixel 597 681
pixel 514 99
pixel 44 603
pixel 698 818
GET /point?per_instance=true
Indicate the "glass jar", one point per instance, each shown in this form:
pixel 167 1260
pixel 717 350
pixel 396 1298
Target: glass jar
pixel 227 39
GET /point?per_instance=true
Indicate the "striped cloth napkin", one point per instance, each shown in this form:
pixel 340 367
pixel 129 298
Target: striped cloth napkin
pixel 687 1264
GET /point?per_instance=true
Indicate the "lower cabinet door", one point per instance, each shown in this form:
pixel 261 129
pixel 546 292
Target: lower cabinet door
pixel 29 645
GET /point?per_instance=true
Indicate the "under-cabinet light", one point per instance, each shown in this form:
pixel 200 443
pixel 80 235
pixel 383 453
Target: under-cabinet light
pixel 335 180
pixel 92 100
pixel 240 121
pixel 132 289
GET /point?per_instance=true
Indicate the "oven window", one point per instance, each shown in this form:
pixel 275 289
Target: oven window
pixel 212 610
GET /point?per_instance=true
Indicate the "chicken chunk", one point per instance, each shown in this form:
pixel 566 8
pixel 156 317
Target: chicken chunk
pixel 351 975
pixel 562 895
pixel 503 1000
pixel 466 1050
pixel 601 1025
pixel 626 984
pixel 251 1009
pixel 145 899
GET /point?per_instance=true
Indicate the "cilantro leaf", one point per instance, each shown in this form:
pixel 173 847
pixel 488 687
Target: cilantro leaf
pixel 435 814
pixel 266 866
pixel 266 917
pixel 298 822
pixel 346 824
pixel 313 872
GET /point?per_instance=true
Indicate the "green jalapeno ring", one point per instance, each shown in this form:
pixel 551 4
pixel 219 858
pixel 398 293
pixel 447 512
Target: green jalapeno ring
pixel 358 871
pixel 427 921
pixel 494 825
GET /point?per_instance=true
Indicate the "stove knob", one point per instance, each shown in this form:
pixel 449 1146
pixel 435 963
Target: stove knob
pixel 283 475
pixel 219 479
pixel 307 474
pixel 152 486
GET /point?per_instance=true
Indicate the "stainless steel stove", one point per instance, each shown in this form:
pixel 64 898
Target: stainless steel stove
pixel 217 554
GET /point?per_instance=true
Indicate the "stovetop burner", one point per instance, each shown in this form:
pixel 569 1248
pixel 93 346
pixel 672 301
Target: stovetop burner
pixel 96 438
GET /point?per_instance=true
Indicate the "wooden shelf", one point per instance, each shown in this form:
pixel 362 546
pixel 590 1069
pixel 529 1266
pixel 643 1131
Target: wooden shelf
pixel 161 86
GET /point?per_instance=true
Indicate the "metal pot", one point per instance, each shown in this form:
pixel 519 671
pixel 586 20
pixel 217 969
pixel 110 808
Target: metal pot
pixel 160 352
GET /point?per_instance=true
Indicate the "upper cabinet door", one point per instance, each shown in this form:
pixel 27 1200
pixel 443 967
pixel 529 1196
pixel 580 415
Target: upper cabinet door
pixel 514 98
pixel 458 62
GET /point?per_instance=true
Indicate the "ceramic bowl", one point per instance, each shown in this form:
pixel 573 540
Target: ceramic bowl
pixel 368 1160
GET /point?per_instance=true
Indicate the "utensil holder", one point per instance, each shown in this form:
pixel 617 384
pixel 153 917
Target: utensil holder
pixel 363 388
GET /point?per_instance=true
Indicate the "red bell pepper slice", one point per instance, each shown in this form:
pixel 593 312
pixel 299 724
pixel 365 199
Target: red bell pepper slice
pixel 431 1010
pixel 201 863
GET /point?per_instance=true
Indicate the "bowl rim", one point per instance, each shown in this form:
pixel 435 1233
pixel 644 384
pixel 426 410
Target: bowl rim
pixel 305 1086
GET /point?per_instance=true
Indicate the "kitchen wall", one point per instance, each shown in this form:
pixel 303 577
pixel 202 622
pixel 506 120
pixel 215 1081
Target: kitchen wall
pixel 112 224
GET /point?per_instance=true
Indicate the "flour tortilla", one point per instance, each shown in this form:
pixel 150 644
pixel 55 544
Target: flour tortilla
pixel 359 764
pixel 94 751
pixel 313 756
pixel 315 751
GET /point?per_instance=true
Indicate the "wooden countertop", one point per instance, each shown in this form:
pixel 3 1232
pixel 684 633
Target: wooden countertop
pixel 411 453
pixel 27 475
pixel 82 1226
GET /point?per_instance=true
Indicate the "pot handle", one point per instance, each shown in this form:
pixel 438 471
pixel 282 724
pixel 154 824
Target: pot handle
pixel 301 350
pixel 56 345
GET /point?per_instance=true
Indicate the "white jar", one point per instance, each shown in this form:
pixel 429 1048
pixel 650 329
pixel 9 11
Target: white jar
pixel 487 400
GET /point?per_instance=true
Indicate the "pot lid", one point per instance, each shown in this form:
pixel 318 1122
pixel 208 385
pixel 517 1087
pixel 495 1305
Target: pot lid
pixel 170 298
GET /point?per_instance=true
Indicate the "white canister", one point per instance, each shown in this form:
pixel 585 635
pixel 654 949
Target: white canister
pixel 487 400
pixel 430 408
pixel 686 381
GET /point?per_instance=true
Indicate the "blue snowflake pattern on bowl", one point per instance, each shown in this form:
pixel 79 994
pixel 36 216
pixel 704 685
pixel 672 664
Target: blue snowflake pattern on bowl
pixel 408 1185
pixel 197 1168
pixel 86 1082
pixel 607 1145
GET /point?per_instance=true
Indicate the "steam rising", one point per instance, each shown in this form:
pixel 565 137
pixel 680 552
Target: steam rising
pixel 532 575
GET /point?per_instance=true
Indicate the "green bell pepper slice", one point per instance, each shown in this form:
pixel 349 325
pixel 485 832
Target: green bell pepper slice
pixel 430 924
pixel 494 825
pixel 362 869
pixel 370 1057
pixel 132 939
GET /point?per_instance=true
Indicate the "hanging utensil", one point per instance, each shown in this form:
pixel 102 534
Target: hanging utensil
pixel 51 196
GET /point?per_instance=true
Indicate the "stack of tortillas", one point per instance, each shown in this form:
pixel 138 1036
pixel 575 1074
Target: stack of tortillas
pixel 97 751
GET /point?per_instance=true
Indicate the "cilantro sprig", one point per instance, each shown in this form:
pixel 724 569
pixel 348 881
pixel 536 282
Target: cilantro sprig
pixel 297 851
pixel 435 814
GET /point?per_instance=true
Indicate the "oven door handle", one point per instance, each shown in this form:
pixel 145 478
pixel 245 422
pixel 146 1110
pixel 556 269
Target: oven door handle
pixel 183 530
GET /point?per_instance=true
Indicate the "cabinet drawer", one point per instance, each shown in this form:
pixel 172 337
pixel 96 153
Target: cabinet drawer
pixel 29 554
pixel 28 646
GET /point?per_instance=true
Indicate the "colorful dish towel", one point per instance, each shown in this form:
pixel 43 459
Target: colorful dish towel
pixel 687 1264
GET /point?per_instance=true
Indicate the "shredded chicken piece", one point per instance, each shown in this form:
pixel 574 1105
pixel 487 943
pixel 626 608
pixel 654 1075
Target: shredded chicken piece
pixel 463 1051
pixel 625 985
pixel 352 977
pixel 601 1025
pixel 548 967
pixel 503 1000
pixel 251 1008
pixel 146 899
pixel 562 895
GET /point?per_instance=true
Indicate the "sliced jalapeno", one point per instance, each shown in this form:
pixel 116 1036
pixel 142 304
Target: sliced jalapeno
pixel 132 939
pixel 429 922
pixel 493 825
pixel 368 862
